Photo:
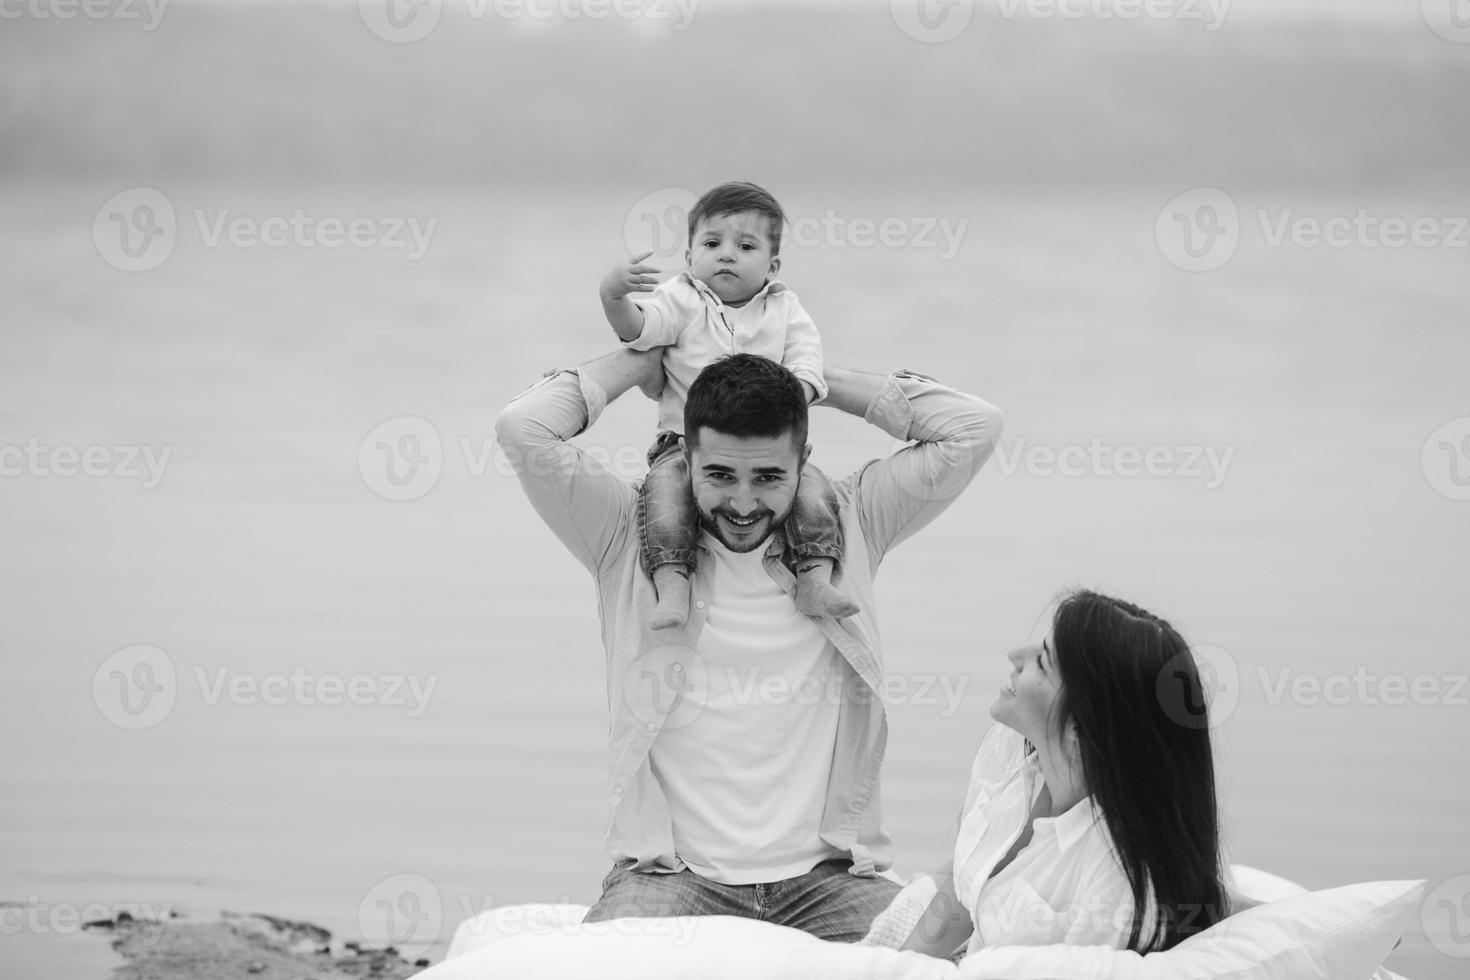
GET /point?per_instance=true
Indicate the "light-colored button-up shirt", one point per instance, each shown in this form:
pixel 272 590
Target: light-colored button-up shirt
pixel 594 514
pixel 1064 886
pixel 695 328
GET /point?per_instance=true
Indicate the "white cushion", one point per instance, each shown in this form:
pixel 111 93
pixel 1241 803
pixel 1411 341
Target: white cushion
pixel 502 923
pixel 717 947
pixel 1262 886
pixel 1339 933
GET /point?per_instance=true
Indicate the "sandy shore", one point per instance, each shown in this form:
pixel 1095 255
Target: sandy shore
pixel 238 945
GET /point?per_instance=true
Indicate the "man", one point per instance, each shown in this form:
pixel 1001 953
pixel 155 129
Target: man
pixel 734 790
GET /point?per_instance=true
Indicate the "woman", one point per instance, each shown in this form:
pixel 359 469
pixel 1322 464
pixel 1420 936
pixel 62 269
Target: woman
pixel 1091 814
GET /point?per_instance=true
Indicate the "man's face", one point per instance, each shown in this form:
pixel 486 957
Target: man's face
pixel 744 486
pixel 731 254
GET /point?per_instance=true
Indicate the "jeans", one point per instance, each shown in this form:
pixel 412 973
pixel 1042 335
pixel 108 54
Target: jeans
pixel 827 902
pixel 668 520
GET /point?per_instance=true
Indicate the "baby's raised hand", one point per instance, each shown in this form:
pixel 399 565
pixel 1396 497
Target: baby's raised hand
pixel 631 276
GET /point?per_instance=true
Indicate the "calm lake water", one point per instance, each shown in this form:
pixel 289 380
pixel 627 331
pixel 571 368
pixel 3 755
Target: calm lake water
pixel 1314 556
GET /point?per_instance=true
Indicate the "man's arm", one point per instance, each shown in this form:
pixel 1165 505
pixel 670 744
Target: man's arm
pixel 587 507
pixel 952 436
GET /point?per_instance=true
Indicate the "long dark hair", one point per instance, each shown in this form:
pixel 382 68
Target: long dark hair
pixel 1131 686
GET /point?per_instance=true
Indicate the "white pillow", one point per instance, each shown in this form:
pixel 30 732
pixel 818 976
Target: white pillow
pixel 717 947
pixel 499 924
pixel 1262 886
pixel 1341 933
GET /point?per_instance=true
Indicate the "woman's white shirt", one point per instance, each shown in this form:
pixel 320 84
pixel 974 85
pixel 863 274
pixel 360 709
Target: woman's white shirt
pixel 1065 885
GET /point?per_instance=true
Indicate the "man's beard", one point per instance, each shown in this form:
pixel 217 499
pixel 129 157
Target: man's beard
pixel 743 544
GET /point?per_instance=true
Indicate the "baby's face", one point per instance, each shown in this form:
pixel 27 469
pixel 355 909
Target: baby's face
pixel 731 254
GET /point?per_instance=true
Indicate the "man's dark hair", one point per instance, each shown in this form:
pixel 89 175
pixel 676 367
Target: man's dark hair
pixel 735 197
pixel 746 395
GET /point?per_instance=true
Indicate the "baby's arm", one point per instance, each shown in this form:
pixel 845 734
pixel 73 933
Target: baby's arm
pixel 632 276
pixel 803 353
pixel 657 320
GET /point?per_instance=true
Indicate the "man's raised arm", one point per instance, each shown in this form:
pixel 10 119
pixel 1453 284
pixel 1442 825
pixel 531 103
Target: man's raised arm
pixel 951 435
pixel 586 506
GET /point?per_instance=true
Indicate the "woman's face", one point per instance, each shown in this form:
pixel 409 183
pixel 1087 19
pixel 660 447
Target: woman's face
pixel 1025 703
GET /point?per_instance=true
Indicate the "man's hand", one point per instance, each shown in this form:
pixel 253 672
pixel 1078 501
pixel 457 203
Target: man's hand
pixel 627 277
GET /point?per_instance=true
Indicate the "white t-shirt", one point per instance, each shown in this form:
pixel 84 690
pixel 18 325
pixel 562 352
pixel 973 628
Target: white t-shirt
pixel 746 778
pixel 1065 885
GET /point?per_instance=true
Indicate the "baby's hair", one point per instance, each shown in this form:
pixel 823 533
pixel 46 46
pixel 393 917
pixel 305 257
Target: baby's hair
pixel 735 197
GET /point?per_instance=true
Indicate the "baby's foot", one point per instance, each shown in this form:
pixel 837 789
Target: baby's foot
pixel 672 584
pixel 815 595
